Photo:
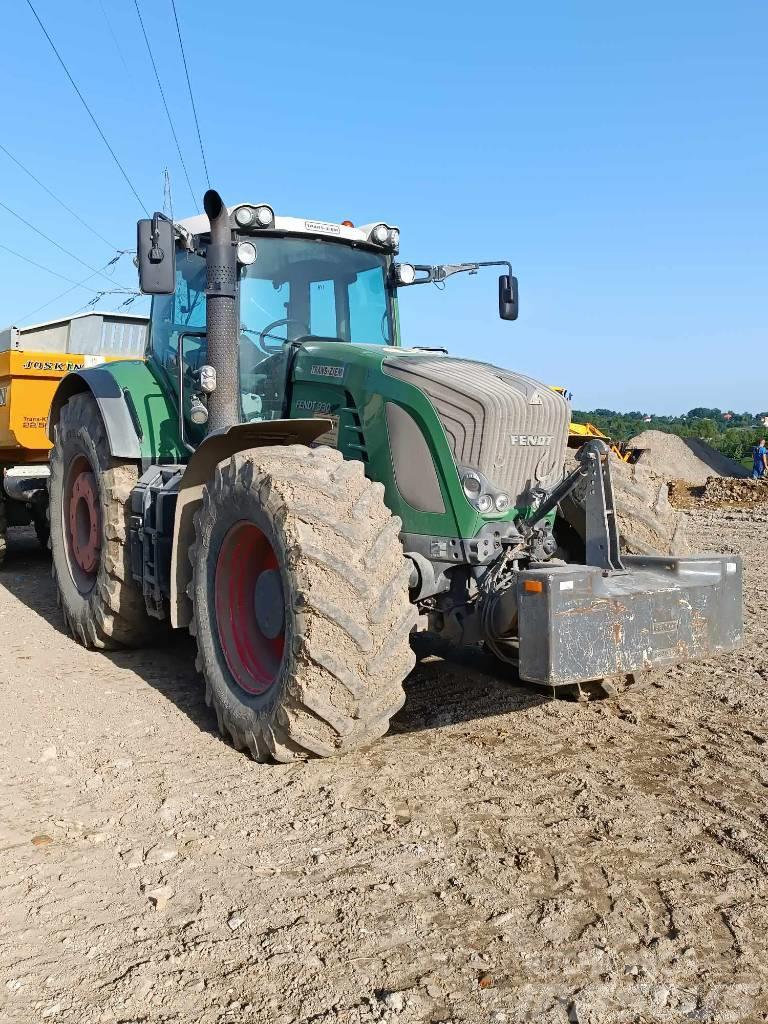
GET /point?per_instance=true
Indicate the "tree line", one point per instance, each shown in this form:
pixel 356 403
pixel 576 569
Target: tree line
pixel 734 434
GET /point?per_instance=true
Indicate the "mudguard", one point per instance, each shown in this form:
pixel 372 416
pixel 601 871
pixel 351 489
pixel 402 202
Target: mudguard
pixel 215 448
pixel 122 426
pixel 138 409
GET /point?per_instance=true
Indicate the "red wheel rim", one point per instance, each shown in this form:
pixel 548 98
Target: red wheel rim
pixel 82 522
pixel 250 613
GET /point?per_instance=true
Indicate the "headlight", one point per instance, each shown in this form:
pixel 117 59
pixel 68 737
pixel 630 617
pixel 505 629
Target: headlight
pixel 264 216
pixel 484 503
pixel 254 216
pixel 245 216
pixel 207 378
pixel 471 484
pixel 198 412
pixel 394 239
pixel 502 502
pixel 246 253
pixel 380 234
pixel 405 273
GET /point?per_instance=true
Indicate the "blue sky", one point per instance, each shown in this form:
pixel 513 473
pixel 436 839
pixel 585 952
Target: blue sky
pixel 616 153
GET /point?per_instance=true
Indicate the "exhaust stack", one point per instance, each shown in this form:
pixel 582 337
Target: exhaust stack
pixel 221 315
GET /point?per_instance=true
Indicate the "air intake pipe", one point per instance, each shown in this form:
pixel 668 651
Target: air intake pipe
pixel 221 314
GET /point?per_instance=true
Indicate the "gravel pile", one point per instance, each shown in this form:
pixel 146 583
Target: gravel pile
pixel 725 491
pixel 678 458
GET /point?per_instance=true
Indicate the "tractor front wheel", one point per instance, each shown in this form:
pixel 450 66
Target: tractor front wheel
pixel 301 609
pixel 89 493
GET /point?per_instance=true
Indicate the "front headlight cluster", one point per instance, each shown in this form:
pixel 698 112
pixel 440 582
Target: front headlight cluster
pixel 482 495
pixel 385 236
pixel 254 217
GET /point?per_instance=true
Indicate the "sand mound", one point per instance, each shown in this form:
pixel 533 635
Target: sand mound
pixel 677 458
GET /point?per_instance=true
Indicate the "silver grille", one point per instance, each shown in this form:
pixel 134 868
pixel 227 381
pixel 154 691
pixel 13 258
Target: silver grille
pixel 508 427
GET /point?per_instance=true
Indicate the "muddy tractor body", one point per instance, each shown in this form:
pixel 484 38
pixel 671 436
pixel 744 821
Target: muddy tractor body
pixel 284 478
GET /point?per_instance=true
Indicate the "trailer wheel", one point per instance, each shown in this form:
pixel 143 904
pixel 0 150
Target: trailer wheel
pixel 89 492
pixel 301 608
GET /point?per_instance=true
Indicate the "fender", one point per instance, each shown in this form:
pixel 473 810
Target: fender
pixel 122 426
pixel 217 447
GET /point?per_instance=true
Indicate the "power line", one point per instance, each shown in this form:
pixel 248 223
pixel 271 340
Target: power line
pixel 80 284
pixel 61 247
pixel 39 266
pixel 165 104
pixel 191 96
pixel 114 37
pixel 54 196
pixel 91 303
pixel 87 108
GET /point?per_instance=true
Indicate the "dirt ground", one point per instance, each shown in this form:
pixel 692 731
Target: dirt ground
pixel 498 857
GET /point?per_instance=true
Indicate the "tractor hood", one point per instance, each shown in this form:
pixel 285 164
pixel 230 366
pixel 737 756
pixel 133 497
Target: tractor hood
pixel 508 427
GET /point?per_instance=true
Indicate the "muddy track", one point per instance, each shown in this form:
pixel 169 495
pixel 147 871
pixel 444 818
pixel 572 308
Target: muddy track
pixel 496 857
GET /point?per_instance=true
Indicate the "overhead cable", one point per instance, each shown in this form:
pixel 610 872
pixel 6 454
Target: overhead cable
pixel 80 284
pixel 191 95
pixel 54 196
pixel 165 103
pixel 39 266
pixel 96 124
pixel 61 247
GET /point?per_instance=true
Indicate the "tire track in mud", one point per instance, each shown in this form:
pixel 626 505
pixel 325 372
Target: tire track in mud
pixel 496 852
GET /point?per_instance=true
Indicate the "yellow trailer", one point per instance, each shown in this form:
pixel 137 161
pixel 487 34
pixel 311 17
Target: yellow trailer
pixel 32 362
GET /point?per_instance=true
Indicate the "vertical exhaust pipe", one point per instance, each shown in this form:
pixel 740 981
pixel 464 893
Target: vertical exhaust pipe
pixel 221 314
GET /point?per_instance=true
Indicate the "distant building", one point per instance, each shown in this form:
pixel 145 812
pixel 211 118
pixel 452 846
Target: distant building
pixel 727 415
pixel 764 420
pixel 647 419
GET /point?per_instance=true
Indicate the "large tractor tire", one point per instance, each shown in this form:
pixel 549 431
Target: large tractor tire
pixel 647 522
pixel 89 492
pixel 3 531
pixel 42 527
pixel 301 609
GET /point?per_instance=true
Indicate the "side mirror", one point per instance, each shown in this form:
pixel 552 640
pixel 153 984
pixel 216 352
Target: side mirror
pixel 508 304
pixel 156 252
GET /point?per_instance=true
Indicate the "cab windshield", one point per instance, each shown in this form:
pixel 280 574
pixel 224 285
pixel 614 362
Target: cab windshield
pixel 295 289
pixel 301 288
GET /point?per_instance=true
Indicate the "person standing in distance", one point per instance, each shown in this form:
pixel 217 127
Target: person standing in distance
pixel 760 465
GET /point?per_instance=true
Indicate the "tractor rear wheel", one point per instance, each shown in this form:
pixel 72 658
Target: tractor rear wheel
pixel 301 608
pixel 42 528
pixel 89 494
pixel 3 530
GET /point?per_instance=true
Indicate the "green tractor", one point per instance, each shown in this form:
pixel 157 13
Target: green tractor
pixel 287 481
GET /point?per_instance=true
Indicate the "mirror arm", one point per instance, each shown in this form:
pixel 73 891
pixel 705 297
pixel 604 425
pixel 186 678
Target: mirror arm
pixel 438 274
pixel 156 254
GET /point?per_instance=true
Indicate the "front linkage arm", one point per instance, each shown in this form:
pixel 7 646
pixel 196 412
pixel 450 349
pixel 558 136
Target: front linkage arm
pixel 602 534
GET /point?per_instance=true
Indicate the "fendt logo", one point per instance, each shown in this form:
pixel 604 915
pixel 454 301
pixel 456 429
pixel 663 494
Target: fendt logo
pixel 531 440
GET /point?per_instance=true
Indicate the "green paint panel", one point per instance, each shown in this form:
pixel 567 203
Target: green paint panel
pixel 350 382
pixel 155 409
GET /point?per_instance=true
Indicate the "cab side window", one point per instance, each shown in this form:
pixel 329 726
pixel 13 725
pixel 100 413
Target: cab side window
pixel 173 315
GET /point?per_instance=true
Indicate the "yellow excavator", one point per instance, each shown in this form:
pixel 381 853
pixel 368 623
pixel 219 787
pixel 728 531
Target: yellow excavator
pixel 579 433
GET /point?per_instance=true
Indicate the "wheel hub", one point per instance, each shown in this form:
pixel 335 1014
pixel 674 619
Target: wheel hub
pixel 250 608
pixel 268 603
pixel 85 521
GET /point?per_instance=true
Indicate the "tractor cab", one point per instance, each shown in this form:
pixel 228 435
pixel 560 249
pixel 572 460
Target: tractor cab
pixel 297 282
